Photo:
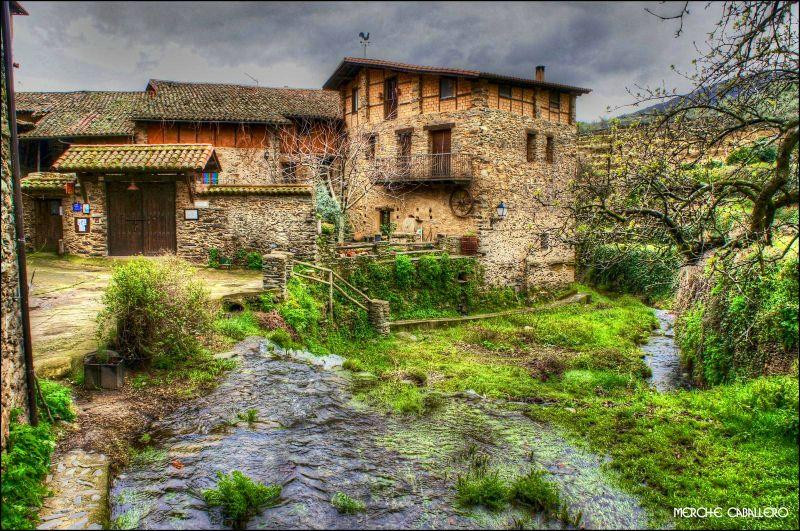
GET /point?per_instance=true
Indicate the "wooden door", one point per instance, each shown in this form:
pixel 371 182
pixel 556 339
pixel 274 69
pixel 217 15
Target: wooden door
pixel 441 152
pixel 390 98
pixel 158 212
pixel 404 154
pixel 141 221
pixel 49 225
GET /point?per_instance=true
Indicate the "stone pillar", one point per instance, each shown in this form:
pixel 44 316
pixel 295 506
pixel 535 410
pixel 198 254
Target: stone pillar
pixel 277 270
pixel 379 315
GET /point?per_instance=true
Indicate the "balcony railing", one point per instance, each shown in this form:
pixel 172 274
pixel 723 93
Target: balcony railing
pixel 429 167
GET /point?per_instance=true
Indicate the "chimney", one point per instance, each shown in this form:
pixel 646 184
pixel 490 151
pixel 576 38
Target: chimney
pixel 540 73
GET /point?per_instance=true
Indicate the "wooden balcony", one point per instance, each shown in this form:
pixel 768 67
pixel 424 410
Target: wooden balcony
pixel 425 168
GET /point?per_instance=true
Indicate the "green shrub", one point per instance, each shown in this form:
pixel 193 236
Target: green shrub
pixel 281 337
pixel 536 492
pixel 301 310
pixel 347 505
pixel 240 497
pixel 758 151
pixel 214 256
pixel 155 309
pixel 403 271
pixel 637 269
pixel 58 399
pixel 239 326
pixel 25 464
pixel 254 260
pixel 746 326
pixel 266 302
pixel 482 487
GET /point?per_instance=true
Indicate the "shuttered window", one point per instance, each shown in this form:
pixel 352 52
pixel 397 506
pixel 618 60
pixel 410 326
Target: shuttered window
pixel 447 88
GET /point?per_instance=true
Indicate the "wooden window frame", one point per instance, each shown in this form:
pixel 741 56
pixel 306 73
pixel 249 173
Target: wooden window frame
pixel 289 172
pixel 372 146
pixel 454 81
pixel 554 103
pixel 500 88
pixel 550 150
pixel 389 111
pixel 530 146
pixel 354 100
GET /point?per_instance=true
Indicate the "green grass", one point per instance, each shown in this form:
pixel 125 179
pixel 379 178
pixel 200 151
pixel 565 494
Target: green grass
pixel 240 497
pixel 730 445
pixel 536 492
pixel 188 376
pixel 482 487
pixel 347 505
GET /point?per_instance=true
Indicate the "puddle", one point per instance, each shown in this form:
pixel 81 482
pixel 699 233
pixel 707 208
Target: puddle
pixel 662 355
pixel 315 440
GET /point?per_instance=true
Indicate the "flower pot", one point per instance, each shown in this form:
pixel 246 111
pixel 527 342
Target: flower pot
pixel 469 245
pixel 103 370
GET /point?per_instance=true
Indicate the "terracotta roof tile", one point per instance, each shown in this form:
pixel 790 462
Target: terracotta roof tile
pixel 79 114
pixel 262 189
pixel 220 102
pixel 136 157
pixel 46 181
pixel 350 65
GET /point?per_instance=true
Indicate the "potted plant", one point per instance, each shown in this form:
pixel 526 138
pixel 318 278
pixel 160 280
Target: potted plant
pixel 469 243
pixel 103 369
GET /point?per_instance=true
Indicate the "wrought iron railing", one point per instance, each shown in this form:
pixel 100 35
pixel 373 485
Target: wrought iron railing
pixel 428 167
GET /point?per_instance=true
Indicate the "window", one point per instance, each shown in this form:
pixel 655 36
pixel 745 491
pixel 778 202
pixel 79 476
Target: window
pixel 504 91
pixel 386 217
pixel 550 149
pixel 404 153
pixel 289 172
pixel 544 240
pixel 555 101
pixel 390 98
pixel 530 147
pixel 447 88
pixel 354 100
pixel 210 177
pixel 373 141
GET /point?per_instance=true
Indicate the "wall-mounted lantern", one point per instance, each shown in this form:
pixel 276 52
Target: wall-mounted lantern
pixel 132 187
pixel 502 211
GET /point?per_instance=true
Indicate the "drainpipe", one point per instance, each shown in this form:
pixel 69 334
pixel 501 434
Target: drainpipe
pixel 18 217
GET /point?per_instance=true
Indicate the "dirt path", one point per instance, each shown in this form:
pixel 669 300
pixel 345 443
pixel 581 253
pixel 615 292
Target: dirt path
pixel 66 296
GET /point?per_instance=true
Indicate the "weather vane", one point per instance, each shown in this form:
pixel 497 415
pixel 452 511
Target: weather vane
pixel 364 41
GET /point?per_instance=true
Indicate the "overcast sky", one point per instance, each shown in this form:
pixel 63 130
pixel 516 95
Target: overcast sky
pixel 119 46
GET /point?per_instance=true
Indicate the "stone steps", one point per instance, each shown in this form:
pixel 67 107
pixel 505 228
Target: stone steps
pixel 79 484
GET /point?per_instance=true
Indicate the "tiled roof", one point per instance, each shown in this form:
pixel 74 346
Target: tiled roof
pixel 261 189
pixel 219 102
pixel 136 157
pixel 79 114
pixel 350 65
pixel 46 181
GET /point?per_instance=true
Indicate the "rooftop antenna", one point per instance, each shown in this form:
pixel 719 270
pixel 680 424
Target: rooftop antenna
pixel 251 77
pixel 364 41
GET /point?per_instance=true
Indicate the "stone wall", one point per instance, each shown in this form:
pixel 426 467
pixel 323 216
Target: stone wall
pixel 522 250
pixel 252 222
pixel 13 390
pixel 95 242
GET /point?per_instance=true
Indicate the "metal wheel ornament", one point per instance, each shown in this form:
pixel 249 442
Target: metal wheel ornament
pixel 461 202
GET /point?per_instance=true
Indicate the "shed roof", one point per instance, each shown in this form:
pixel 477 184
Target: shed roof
pixel 221 102
pixel 79 114
pixel 255 189
pixel 46 181
pixel 149 158
pixel 350 65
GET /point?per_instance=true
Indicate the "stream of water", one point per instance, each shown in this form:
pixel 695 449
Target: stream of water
pixel 663 356
pixel 314 439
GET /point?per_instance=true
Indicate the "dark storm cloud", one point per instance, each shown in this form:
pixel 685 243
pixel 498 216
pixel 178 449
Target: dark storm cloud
pixel 603 46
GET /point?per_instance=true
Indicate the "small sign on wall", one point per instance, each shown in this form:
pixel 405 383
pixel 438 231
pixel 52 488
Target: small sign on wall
pixel 76 207
pixel 82 225
pixel 190 213
pixel 86 208
pixel 201 204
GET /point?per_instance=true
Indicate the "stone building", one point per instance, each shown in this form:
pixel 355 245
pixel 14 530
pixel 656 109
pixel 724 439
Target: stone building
pixel 14 388
pixel 179 167
pixel 458 145
pixel 449 152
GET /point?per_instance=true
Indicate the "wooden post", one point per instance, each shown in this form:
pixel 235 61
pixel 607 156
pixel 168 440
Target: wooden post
pixel 330 295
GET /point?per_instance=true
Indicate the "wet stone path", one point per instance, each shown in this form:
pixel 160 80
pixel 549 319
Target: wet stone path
pixel 79 483
pixel 311 437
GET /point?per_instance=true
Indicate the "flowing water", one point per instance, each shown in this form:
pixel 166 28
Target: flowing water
pixel 311 437
pixel 663 356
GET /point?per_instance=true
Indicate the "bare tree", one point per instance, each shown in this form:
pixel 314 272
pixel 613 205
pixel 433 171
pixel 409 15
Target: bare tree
pixel 343 163
pixel 658 184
